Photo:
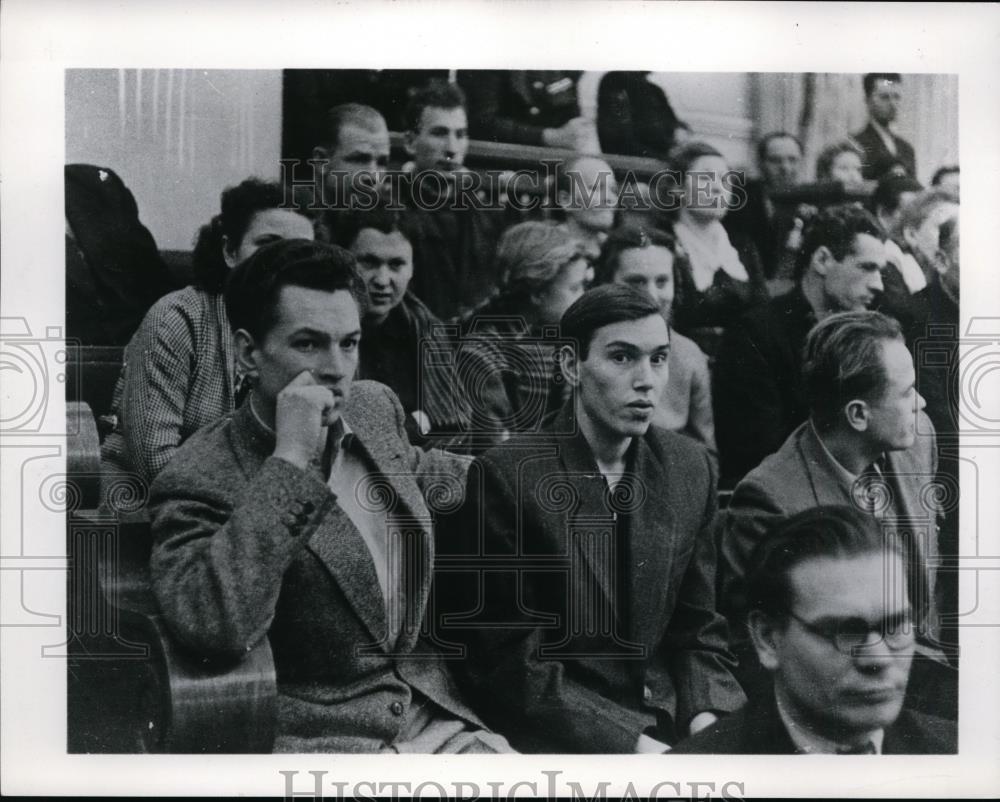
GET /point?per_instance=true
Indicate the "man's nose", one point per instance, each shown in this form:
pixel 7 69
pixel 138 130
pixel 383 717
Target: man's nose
pixel 380 277
pixel 875 282
pixel 921 402
pixel 332 364
pixel 452 145
pixel 644 378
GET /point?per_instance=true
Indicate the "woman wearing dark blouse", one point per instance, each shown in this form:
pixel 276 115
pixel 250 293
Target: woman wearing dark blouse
pixel 720 279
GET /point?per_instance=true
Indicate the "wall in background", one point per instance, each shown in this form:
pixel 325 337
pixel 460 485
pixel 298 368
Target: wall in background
pixel 176 137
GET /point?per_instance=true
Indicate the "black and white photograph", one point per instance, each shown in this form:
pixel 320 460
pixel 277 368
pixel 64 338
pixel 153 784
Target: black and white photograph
pixel 396 398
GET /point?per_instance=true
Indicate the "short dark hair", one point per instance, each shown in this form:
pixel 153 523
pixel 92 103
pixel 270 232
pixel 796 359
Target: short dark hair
pixel 768 138
pixel 941 172
pixel 835 227
pixel 436 94
pixel 684 155
pixel 829 154
pixel 890 189
pixel 870 78
pixel 351 114
pixel 842 360
pixel 603 306
pixel 254 287
pixel 239 205
pixel 626 238
pixel 347 225
pixel 831 531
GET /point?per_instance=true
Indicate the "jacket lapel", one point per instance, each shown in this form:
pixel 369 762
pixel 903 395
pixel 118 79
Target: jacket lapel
pixel 826 484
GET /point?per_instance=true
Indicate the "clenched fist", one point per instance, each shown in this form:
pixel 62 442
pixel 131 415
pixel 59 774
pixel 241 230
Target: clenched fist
pixel 303 411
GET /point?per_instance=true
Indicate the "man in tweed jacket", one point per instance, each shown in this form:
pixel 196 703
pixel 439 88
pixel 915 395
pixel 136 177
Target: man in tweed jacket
pixel 302 518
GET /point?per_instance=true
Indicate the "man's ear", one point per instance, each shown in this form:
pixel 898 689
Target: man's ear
pixel 569 366
pixel 765 633
pixel 910 237
pixel 246 353
pixel 408 138
pixel 857 414
pixel 320 153
pixel 821 260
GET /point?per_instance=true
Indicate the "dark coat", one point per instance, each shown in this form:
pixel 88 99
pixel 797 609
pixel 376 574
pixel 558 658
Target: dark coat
pixel 757 729
pixel 877 159
pixel 757 383
pixel 606 636
pixel 634 116
pixel 248 545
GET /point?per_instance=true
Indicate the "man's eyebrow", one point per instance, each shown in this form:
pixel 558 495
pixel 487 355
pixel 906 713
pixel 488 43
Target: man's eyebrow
pixel 635 348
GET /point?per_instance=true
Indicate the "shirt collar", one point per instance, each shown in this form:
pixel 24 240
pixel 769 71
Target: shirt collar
pixel 808 741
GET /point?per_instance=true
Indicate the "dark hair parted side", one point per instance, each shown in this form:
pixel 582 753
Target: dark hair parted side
pixel 835 227
pixel 347 225
pixel 254 287
pixel 436 94
pixel 239 204
pixel 870 78
pixel 603 306
pixel 843 361
pixel 833 531
pixel 626 238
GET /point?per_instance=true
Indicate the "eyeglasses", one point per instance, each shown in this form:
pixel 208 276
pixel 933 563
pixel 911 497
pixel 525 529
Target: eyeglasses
pixel 848 635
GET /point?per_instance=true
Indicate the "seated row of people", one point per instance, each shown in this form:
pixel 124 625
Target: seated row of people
pixel 561 595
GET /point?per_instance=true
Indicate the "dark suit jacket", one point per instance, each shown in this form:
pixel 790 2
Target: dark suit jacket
pixel 878 160
pixel 248 545
pixel 757 383
pixel 757 729
pixel 800 476
pixel 575 643
pixel 634 116
pixel 114 272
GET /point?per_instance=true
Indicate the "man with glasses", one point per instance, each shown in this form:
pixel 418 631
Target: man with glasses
pixel 830 617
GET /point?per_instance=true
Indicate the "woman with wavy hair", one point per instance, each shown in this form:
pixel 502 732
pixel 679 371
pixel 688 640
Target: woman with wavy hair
pixel 180 371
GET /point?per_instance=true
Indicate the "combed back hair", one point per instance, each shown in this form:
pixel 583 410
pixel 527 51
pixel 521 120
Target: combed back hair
pixel 239 205
pixel 684 155
pixel 436 94
pixel 941 172
pixel 824 532
pixel 603 306
pixel 347 225
pixel 530 257
pixel 872 77
pixel 626 238
pixel 767 139
pixel 824 162
pixel 914 213
pixel 890 189
pixel 254 287
pixel 357 114
pixel 835 227
pixel 842 361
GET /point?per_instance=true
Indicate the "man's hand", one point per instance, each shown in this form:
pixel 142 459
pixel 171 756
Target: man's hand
pixel 302 412
pixel 650 746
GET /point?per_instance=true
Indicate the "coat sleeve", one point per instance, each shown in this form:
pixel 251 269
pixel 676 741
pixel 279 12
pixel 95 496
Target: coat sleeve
pixel 487 120
pixel 520 694
pixel 701 420
pixel 219 555
pixel 696 639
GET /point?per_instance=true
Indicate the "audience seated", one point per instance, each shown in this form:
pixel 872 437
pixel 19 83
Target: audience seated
pixel 453 241
pixel 883 150
pixel 775 229
pixel 275 522
pixel 180 371
pixel 114 272
pixel 403 345
pixel 634 116
pixel 586 194
pixel 757 384
pixel 645 260
pixel 834 632
pixel 720 278
pixel 867 443
pixel 584 503
pixel 528 107
pixel 841 161
pixel 507 359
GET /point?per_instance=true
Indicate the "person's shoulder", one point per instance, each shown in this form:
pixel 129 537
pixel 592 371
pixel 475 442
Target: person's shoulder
pixel 775 470
pixel 686 348
pixel 920 733
pixel 367 395
pixel 205 457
